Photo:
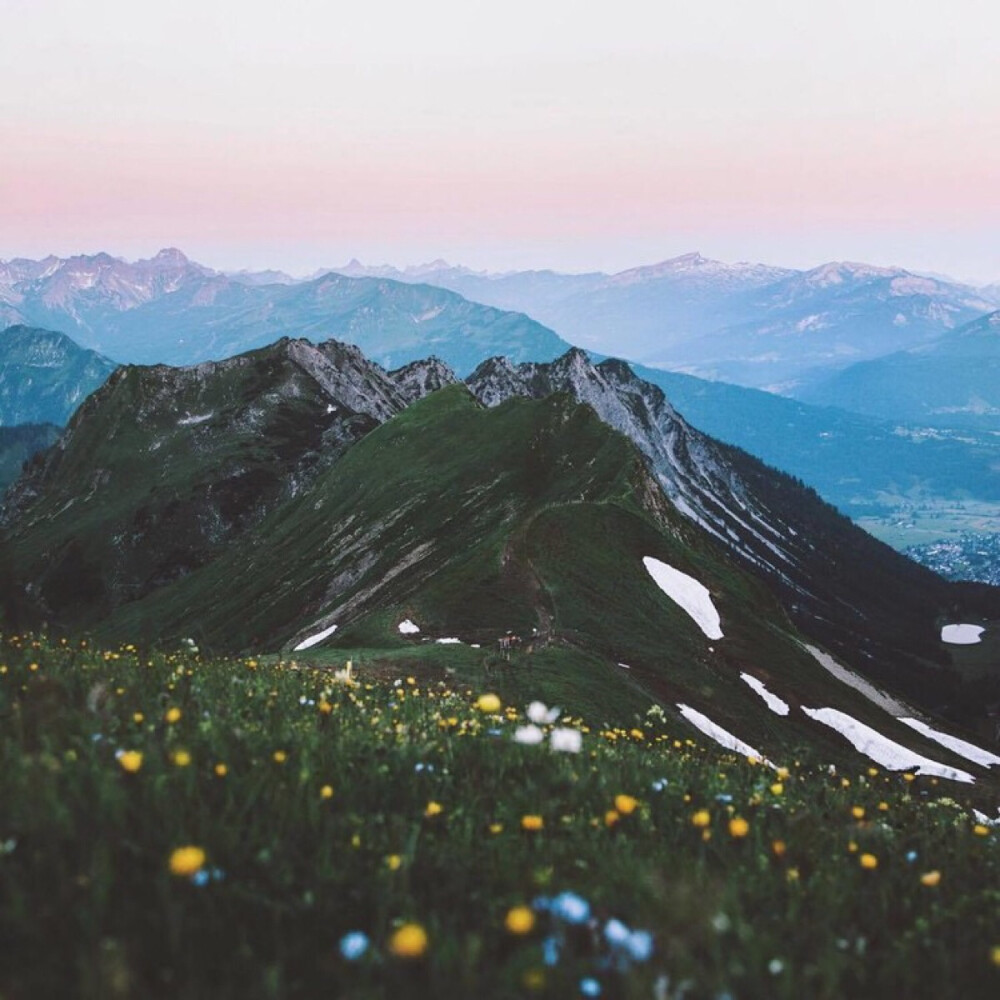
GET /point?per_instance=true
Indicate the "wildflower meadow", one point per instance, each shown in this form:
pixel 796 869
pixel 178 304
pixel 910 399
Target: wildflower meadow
pixel 173 826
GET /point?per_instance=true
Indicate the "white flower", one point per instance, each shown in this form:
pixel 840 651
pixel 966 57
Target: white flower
pixel 566 740
pixel 540 715
pixel 530 735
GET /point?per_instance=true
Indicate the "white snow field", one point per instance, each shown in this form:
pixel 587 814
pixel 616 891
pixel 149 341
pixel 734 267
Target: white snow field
pixel 721 736
pixel 687 592
pixel 967 750
pixel 408 628
pixel 891 755
pixel 774 703
pixel 962 635
pixel 314 639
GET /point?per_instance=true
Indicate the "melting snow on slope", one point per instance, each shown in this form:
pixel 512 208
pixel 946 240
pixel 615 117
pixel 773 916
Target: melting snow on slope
pixel 891 755
pixel 962 635
pixel 721 736
pixel 774 703
pixel 408 628
pixel 197 419
pixel 967 750
pixel 318 637
pixel 851 679
pixel 686 591
pixel 449 641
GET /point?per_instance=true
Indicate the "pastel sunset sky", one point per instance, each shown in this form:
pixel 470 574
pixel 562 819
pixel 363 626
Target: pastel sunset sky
pixel 522 133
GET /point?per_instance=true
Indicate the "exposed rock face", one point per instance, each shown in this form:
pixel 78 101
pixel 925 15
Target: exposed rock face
pixel 420 378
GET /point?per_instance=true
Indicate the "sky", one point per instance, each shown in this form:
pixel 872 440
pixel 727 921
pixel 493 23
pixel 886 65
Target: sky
pixel 527 133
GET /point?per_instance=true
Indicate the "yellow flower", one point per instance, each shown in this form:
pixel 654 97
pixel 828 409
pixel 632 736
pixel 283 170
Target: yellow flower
pixel 858 812
pixel 980 830
pixel 908 776
pixel 221 770
pixel 777 788
pixel 489 703
pixel 792 875
pixel 868 861
pixel 173 715
pixel 433 809
pixel 393 862
pixel 186 861
pixel 738 827
pixel 625 804
pixel 701 818
pixel 637 734
pixel 611 817
pixel 326 792
pixel 883 807
pixel 852 846
pixel 930 878
pixel 409 941
pixel 325 707
pixel 137 717
pixel 280 756
pixel 130 760
pixel 181 758
pixel 532 822
pixel 778 848
pixel 519 920
pixel 995 954
pixel 496 828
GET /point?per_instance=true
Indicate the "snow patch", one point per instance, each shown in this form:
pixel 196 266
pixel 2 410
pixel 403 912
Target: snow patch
pixel 199 418
pixel 962 635
pixel 721 736
pixel 891 755
pixel 851 679
pixel 408 628
pixel 774 703
pixel 449 641
pixel 687 592
pixel 314 639
pixel 967 750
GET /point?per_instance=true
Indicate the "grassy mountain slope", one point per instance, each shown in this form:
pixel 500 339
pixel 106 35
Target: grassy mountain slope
pixel 163 467
pixel 44 376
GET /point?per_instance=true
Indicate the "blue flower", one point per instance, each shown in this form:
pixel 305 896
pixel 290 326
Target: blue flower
pixel 200 878
pixel 550 951
pixel 640 945
pixel 616 933
pixel 590 987
pixel 570 907
pixel 353 945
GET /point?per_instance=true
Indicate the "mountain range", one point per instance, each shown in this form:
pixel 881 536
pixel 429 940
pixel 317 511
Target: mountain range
pixel 258 502
pixel 952 381
pixel 171 310
pixel 747 323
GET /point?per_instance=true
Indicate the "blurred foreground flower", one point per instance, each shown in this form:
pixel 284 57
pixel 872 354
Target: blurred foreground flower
pixel 186 861
pixel 566 740
pixel 353 945
pixel 409 941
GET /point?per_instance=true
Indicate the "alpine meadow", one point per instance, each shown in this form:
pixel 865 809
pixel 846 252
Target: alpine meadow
pixel 573 615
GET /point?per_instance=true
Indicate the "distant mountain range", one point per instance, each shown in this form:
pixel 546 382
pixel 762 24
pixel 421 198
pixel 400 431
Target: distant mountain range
pixel 259 501
pixel 746 323
pixel 171 310
pixel 44 376
pixel 951 381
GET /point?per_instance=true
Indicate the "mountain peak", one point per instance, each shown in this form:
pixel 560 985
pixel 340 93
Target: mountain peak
pixel 170 255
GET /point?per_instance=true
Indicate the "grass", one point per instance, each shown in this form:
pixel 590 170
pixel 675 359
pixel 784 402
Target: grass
pixel 310 797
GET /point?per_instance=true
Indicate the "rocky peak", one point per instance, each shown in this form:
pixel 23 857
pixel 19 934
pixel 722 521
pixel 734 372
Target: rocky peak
pixel 420 378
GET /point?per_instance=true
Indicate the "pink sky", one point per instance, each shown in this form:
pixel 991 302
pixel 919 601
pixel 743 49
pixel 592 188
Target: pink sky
pixel 511 135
